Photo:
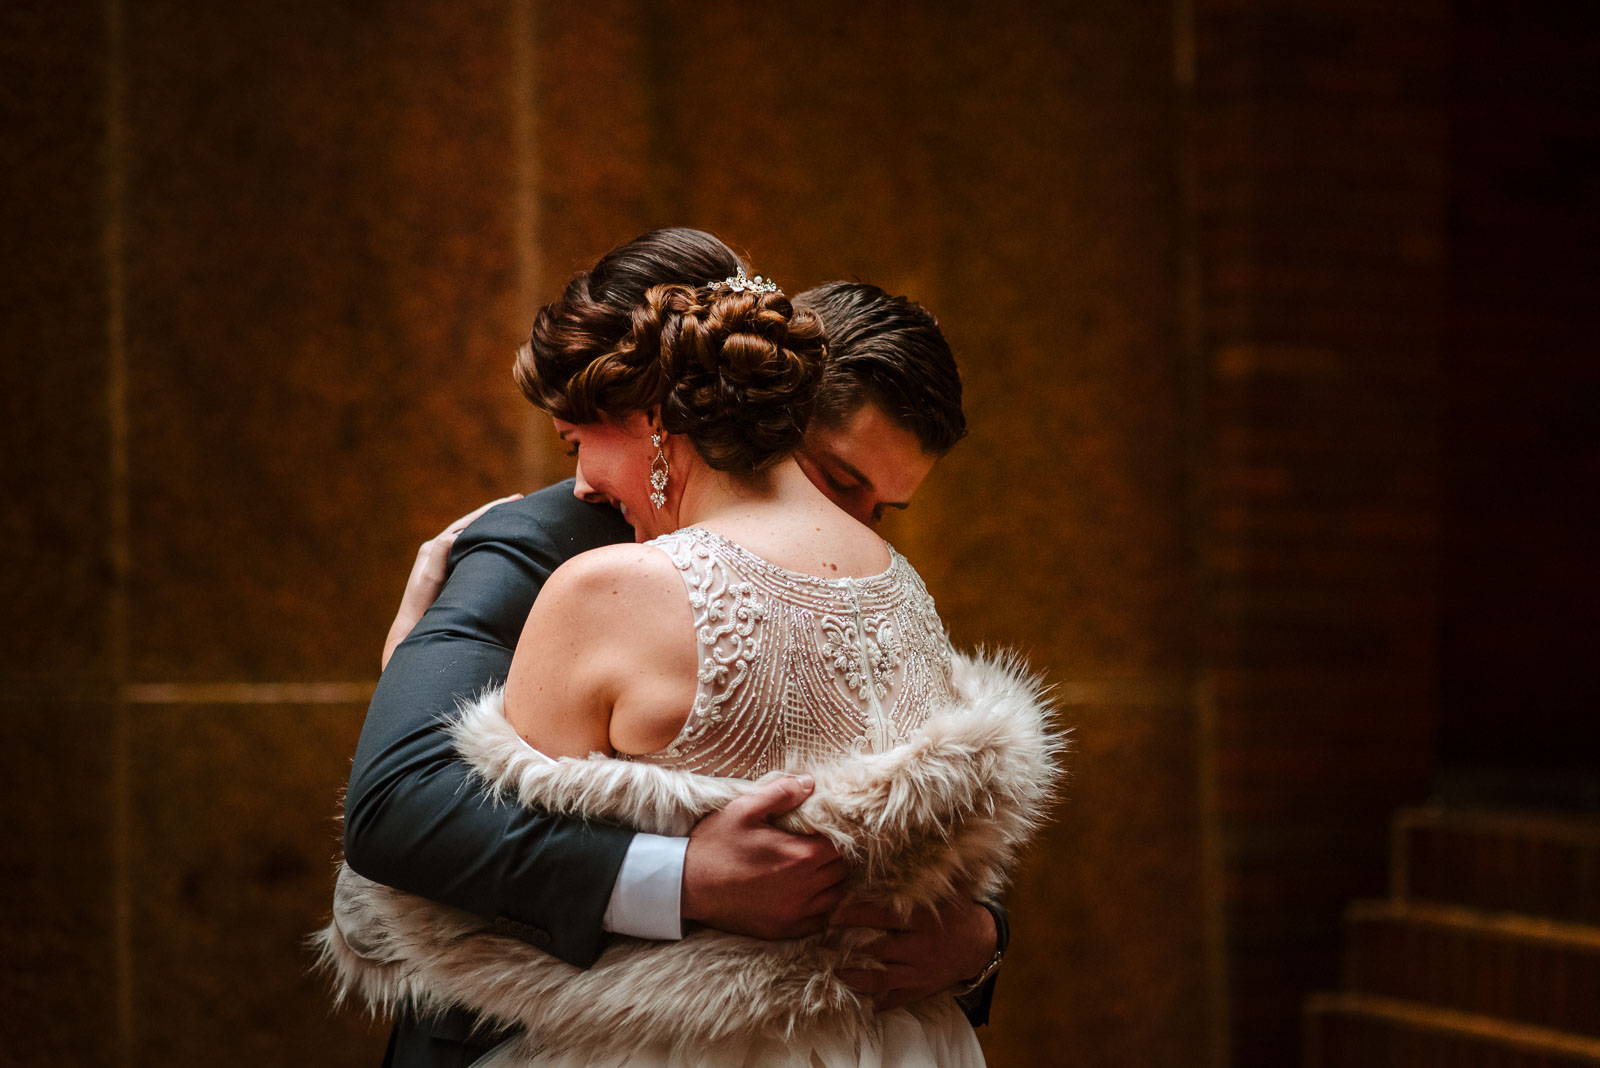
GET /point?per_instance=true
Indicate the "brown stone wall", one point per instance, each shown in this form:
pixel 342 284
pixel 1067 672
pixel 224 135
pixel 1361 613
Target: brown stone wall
pixel 267 268
pixel 1318 186
pixel 242 263
pixel 59 934
pixel 280 258
pixel 1016 170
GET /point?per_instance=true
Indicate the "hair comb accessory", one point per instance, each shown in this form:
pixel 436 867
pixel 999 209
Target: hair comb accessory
pixel 738 283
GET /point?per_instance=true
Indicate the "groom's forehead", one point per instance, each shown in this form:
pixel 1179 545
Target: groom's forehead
pixel 874 449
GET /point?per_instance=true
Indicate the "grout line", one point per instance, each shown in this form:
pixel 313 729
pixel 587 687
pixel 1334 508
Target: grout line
pixel 1213 877
pixel 1132 692
pixel 1203 697
pixel 246 693
pixel 1399 861
pixel 115 252
pixel 22 690
pixel 525 214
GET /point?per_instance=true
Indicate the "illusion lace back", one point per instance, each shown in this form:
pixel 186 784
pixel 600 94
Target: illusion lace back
pixel 794 668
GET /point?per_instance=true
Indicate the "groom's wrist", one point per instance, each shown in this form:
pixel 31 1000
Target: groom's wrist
pixel 1002 937
pixel 971 985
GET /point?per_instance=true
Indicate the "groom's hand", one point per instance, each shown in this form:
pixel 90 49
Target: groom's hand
pixel 428 572
pixel 923 955
pixel 743 875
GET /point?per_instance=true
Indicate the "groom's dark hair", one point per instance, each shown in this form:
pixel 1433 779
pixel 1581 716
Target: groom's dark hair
pixel 889 351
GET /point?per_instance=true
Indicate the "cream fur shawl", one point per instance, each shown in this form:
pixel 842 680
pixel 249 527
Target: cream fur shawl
pixel 957 800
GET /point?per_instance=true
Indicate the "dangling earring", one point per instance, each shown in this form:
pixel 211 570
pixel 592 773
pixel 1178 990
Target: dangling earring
pixel 658 472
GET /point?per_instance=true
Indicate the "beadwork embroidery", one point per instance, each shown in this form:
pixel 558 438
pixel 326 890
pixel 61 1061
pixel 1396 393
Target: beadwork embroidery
pixel 796 668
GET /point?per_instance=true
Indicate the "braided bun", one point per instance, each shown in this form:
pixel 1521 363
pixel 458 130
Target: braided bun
pixel 734 372
pixel 741 371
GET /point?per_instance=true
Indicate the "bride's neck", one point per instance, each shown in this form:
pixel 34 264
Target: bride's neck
pixel 710 495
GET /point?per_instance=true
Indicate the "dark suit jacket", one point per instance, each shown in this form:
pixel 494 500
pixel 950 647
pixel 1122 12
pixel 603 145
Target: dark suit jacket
pixel 413 817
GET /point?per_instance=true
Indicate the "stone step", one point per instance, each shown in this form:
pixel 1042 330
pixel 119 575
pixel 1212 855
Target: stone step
pixel 1535 864
pixel 1517 968
pixel 1352 1030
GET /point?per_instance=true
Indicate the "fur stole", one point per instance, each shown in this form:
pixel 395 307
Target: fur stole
pixel 955 802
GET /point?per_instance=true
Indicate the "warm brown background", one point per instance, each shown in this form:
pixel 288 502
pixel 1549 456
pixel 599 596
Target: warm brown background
pixel 1277 322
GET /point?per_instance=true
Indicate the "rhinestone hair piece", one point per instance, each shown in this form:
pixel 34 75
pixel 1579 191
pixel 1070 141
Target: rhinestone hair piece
pixel 738 283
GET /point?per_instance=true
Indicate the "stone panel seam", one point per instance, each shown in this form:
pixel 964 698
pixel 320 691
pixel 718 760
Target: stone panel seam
pixel 115 251
pixel 247 693
pixel 1202 697
pixel 525 213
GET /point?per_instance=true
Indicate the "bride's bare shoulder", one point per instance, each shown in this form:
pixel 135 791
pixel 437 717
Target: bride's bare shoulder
pixel 611 630
pixel 607 560
pixel 615 582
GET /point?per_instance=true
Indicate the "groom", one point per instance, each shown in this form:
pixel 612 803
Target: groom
pixel 889 406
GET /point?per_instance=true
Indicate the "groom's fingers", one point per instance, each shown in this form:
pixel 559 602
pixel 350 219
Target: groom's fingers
pixel 891 986
pixel 774 798
pixel 868 981
pixel 825 901
pixel 428 572
pixel 743 875
pixel 930 951
pixel 863 914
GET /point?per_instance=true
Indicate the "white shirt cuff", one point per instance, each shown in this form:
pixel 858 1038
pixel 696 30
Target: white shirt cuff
pixel 647 899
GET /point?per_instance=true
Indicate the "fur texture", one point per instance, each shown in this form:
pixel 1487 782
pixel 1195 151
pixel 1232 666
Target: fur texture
pixel 958 800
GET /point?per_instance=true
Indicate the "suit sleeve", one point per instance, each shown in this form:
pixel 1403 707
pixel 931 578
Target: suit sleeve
pixel 416 819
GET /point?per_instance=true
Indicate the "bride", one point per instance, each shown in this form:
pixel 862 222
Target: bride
pixel 756 629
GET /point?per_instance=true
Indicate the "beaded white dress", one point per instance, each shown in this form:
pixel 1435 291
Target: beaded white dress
pixel 795 669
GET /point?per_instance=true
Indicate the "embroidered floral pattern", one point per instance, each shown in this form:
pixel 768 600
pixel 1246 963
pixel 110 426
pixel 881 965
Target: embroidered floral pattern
pixel 795 668
pixel 865 656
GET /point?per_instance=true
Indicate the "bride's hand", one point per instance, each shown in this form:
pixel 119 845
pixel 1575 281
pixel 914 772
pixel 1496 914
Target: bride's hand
pixel 427 576
pixel 927 954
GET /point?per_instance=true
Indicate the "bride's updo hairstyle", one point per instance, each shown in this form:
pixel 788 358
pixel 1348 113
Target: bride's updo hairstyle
pixel 734 371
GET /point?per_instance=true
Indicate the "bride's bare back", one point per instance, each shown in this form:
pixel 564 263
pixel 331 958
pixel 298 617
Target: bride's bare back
pixel 625 641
